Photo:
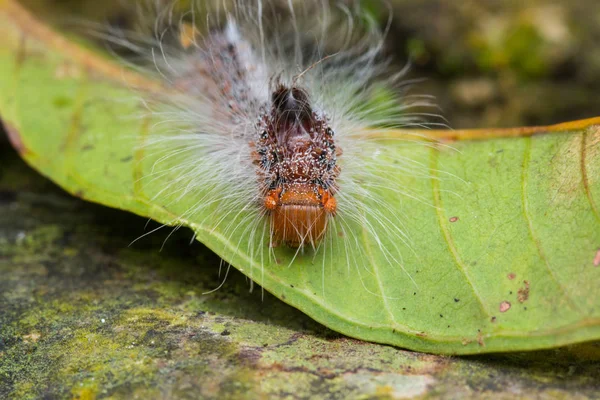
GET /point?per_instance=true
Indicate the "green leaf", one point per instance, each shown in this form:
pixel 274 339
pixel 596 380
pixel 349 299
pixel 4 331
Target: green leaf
pixel 506 259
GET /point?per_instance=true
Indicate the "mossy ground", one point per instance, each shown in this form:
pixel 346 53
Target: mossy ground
pixel 87 315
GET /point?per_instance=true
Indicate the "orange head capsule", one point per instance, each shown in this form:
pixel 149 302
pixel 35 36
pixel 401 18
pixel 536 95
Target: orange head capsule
pixel 296 158
pixel 299 214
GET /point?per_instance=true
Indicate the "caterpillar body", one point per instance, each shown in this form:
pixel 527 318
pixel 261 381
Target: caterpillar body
pixel 267 123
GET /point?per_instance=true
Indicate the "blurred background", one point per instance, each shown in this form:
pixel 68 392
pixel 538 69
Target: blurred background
pixel 489 63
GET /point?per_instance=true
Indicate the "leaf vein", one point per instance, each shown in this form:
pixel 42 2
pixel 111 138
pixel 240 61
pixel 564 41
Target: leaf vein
pixel 585 178
pixel 528 220
pixel 437 199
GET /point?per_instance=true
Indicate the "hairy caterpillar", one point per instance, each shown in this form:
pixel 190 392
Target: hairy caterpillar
pixel 267 120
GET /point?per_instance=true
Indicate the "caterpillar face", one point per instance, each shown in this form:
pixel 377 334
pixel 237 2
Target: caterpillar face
pixel 299 213
pixel 296 160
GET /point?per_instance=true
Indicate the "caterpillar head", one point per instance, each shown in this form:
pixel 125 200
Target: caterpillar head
pixel 297 162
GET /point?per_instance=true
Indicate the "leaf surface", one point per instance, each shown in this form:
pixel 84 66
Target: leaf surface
pixel 503 254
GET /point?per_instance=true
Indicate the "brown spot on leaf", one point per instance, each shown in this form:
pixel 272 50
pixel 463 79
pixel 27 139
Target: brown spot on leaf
pixel 453 219
pixel 15 138
pixel 504 306
pixel 480 339
pixel 511 276
pixel 597 259
pixel 493 319
pixel 523 293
